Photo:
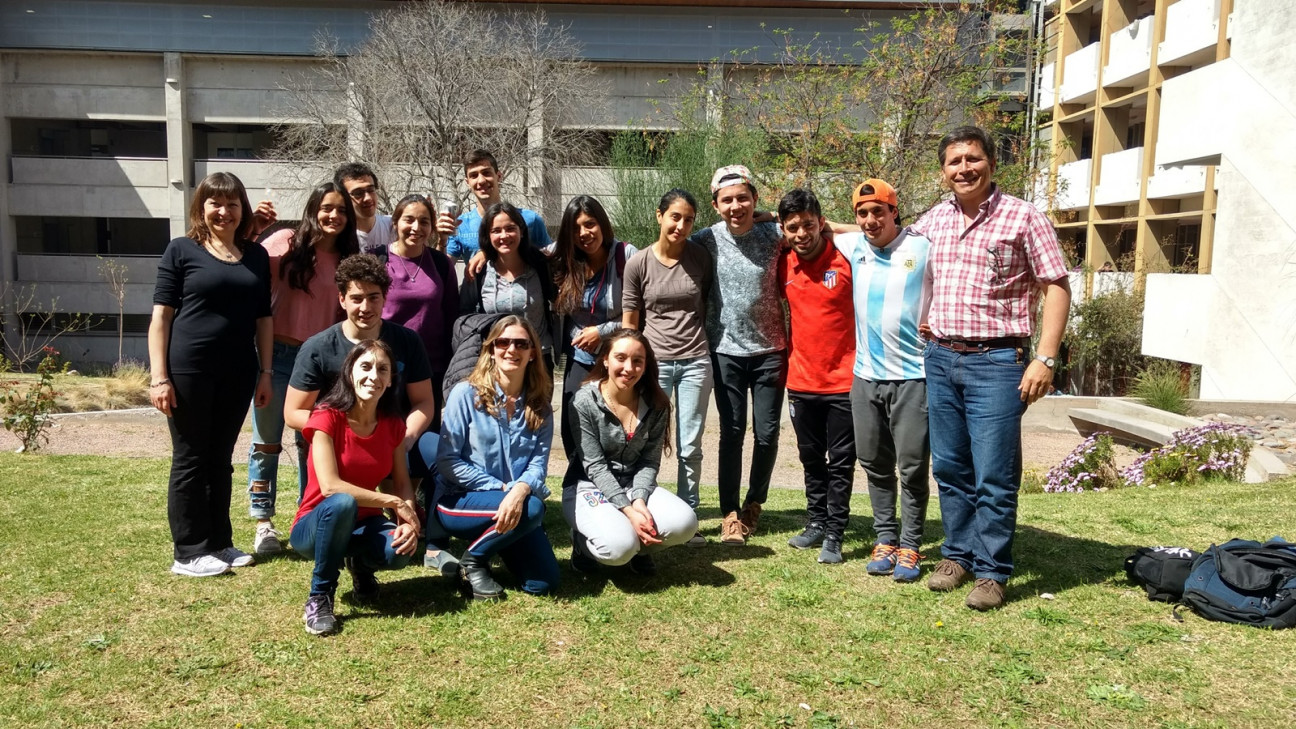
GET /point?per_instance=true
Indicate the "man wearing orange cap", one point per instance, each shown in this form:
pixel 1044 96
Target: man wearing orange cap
pixel 748 338
pixel 992 258
pixel 888 392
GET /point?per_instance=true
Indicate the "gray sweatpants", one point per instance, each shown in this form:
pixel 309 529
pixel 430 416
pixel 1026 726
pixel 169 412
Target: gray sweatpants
pixel 608 536
pixel 891 432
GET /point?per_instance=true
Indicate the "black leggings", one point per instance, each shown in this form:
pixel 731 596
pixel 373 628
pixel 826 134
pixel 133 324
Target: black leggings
pixel 205 423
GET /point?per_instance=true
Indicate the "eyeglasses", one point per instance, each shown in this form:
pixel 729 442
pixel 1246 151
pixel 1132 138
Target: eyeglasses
pixel 503 343
pixel 361 193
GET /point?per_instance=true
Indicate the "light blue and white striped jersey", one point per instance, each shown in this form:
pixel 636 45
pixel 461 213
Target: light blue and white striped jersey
pixel 892 294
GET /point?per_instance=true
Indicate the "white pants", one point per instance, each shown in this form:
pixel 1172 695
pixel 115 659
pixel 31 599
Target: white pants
pixel 607 535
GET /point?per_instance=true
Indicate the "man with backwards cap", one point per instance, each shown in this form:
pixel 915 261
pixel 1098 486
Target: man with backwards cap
pixel 748 345
pixel 888 394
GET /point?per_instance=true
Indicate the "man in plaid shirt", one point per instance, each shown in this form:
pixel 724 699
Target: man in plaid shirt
pixel 992 258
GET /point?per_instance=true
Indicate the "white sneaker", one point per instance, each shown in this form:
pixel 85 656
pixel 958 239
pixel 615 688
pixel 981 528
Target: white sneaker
pixel 267 539
pixel 234 557
pixel 208 565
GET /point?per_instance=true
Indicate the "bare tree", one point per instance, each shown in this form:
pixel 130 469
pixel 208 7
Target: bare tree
pixel 433 80
pixel 114 272
pixel 37 324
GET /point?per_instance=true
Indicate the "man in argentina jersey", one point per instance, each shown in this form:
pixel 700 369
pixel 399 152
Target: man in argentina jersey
pixel 889 390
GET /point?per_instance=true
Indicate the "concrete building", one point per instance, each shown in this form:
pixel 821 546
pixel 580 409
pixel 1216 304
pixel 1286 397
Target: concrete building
pixel 111 110
pixel 1169 121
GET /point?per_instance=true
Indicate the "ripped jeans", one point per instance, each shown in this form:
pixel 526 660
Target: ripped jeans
pixel 267 436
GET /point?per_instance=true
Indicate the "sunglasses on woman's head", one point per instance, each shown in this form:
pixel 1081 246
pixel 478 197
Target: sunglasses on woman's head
pixel 522 344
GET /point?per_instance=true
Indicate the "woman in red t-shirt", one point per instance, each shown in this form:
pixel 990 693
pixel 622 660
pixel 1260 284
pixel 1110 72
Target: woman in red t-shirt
pixel 355 435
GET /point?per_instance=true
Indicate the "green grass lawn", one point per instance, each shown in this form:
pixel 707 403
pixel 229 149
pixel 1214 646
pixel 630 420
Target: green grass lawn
pixel 95 630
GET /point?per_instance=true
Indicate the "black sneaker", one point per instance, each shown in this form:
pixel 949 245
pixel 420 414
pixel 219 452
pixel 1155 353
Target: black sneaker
pixel 583 563
pixel 364 585
pixel 319 615
pixel 812 535
pixel 831 552
pixel 643 565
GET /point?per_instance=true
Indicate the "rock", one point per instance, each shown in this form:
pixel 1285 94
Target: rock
pixel 1273 444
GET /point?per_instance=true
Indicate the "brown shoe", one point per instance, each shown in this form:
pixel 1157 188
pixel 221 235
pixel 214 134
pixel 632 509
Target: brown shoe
pixel 987 595
pixel 749 517
pixel 731 531
pixel 948 575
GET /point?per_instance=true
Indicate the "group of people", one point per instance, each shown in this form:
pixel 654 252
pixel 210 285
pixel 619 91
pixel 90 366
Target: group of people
pixel 415 381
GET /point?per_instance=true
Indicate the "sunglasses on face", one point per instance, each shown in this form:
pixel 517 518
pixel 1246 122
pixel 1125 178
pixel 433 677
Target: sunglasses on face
pixel 360 193
pixel 503 343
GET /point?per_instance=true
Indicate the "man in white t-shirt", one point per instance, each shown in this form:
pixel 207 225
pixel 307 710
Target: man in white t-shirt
pixel 373 230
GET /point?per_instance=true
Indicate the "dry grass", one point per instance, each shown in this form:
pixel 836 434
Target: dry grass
pixel 127 387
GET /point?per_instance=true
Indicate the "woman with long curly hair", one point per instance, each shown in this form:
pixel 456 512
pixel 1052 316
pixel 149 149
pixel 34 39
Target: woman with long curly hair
pixel 492 461
pixel 303 299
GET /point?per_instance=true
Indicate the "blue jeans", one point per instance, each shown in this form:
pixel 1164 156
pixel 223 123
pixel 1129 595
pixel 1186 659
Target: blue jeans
pixel 974 410
pixel 525 548
pixel 689 382
pixel 330 533
pixel 267 430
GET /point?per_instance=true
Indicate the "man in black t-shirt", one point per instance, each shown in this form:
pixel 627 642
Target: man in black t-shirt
pixel 362 291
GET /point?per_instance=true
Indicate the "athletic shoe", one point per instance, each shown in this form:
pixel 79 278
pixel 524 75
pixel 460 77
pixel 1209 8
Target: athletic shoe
pixel 364 585
pixel 831 552
pixel 812 535
pixel 947 576
pixel 267 541
pixel 319 615
pixel 207 565
pixel 987 595
pixel 234 557
pixel 697 540
pixel 731 531
pixel 643 565
pixel 883 559
pixel 442 561
pixel 749 517
pixel 906 566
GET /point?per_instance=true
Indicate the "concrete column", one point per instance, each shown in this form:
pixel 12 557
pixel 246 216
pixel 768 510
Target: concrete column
pixel 8 233
pixel 179 143
pixel 355 125
pixel 543 176
pixel 715 94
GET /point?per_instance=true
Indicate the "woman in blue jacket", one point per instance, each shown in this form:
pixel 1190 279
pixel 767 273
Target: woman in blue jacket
pixel 492 462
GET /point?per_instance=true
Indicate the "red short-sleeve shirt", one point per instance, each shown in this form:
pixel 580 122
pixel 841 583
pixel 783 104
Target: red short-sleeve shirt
pixel 362 461
pixel 821 350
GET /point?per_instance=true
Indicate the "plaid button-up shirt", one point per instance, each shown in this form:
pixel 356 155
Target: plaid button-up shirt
pixel 987 277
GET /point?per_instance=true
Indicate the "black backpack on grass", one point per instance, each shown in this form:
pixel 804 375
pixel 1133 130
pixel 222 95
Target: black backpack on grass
pixel 1161 571
pixel 1243 581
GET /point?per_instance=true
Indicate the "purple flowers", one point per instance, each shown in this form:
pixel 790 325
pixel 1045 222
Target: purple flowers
pixel 1214 450
pixel 1087 468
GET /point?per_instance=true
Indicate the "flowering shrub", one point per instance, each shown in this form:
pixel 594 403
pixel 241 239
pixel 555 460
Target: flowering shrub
pixel 26 411
pixel 1088 468
pixel 1214 450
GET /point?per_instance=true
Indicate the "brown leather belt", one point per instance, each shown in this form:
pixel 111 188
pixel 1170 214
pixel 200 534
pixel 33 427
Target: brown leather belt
pixel 982 345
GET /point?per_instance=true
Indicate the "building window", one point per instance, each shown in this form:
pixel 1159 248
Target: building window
pixel 232 141
pixel 76 138
pixel 1187 246
pixel 92 236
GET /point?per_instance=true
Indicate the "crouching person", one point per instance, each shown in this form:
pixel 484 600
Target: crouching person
pixel 355 435
pixel 619 515
pixel 492 461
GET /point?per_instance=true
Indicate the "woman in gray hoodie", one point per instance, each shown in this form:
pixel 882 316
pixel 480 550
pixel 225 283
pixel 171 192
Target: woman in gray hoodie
pixel 618 514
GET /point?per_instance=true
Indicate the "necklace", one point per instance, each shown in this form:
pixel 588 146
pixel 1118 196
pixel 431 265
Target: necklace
pixel 411 276
pixel 221 253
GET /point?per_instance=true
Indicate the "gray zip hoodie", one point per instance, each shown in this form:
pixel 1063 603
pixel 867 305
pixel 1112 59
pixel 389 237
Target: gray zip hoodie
pixel 624 469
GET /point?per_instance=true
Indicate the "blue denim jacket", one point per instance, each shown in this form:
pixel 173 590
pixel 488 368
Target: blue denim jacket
pixel 479 452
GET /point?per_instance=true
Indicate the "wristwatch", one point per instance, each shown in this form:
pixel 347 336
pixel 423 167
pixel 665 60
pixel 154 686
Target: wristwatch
pixel 1048 361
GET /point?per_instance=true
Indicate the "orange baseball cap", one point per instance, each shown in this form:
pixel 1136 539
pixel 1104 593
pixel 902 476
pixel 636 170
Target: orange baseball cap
pixel 874 190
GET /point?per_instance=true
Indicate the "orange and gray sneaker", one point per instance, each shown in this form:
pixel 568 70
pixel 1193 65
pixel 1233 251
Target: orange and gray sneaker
pixel 731 531
pixel 883 559
pixel 906 565
pixel 749 517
